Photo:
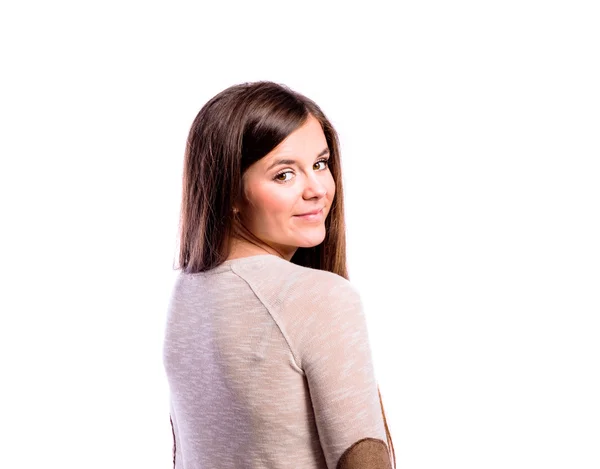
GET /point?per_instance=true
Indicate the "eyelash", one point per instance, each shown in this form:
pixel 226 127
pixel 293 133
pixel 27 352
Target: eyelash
pixel 324 160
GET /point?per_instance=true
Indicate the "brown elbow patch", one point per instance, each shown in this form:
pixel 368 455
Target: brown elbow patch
pixel 368 453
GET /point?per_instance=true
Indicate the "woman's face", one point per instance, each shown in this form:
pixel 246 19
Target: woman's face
pixel 290 181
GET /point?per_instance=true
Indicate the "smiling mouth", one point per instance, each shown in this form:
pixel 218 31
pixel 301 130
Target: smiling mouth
pixel 316 212
pixel 312 216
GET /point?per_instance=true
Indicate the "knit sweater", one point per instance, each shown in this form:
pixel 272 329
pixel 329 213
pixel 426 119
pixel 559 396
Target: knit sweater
pixel 269 367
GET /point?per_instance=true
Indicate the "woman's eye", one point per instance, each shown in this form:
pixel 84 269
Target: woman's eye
pixel 325 163
pixel 284 179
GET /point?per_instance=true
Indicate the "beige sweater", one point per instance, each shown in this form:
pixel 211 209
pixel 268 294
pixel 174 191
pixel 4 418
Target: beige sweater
pixel 269 366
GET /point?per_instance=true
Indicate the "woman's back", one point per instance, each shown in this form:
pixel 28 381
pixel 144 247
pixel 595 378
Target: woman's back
pixel 269 366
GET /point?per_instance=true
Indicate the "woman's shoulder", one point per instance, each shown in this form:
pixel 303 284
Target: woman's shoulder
pixel 321 289
pixel 321 280
pixel 287 281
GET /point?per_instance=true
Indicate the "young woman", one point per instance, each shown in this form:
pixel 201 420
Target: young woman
pixel 266 348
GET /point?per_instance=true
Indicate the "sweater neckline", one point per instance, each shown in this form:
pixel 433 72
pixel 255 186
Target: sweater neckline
pixel 248 259
pixel 241 261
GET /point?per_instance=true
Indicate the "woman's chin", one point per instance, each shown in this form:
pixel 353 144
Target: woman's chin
pixel 310 241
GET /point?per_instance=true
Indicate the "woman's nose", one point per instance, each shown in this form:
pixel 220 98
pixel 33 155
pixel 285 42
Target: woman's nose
pixel 314 187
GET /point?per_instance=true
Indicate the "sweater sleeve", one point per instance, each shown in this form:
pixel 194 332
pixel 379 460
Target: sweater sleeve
pixel 337 361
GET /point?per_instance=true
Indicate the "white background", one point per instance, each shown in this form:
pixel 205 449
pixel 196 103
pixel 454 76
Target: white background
pixel 470 145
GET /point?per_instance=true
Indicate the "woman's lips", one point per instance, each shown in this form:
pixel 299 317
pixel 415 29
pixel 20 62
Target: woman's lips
pixel 312 216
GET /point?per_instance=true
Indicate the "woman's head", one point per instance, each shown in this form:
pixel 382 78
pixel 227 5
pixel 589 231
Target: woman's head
pixel 290 181
pixel 240 182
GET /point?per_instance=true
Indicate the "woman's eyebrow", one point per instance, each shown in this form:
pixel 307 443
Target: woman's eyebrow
pixel 278 162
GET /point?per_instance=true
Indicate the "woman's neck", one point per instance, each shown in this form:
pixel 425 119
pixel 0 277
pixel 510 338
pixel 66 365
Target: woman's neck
pixel 246 248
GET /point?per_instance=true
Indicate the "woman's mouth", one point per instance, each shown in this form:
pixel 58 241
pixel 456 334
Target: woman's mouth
pixel 316 215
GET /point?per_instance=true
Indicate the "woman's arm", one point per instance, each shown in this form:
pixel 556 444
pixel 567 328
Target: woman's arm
pixel 337 361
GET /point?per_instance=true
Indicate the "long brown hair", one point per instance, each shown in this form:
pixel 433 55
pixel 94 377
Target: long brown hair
pixel 233 130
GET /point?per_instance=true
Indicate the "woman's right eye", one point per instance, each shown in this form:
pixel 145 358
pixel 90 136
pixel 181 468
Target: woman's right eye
pixel 278 176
